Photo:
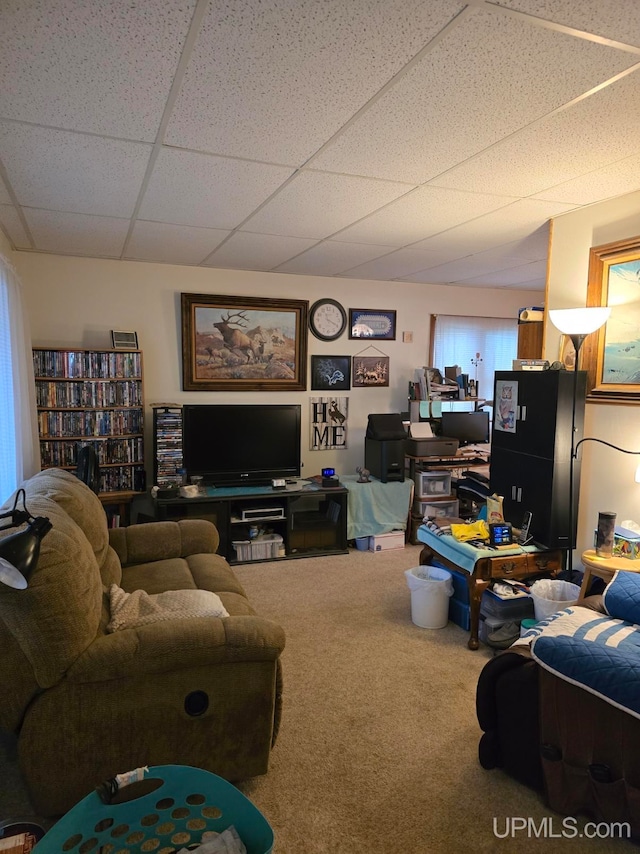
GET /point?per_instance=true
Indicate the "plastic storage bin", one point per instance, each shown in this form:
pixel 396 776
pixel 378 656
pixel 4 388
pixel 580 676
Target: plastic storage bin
pixel 187 803
pixel 265 547
pixel 436 508
pixel 433 484
pixel 430 588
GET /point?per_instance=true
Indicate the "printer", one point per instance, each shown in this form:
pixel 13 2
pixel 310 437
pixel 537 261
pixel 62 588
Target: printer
pixel 384 446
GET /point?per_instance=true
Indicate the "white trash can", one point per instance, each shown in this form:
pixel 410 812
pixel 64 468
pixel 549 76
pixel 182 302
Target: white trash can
pixel 430 588
pixel 551 595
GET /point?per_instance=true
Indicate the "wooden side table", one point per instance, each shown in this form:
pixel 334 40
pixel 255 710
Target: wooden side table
pixel 525 564
pixel 603 567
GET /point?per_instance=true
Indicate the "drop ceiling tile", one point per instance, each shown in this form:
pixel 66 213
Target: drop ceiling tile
pixel 60 170
pixel 244 251
pixel 617 179
pixel 558 148
pixel 619 21
pixel 76 234
pixel 515 222
pixel 338 200
pixel 13 227
pixel 491 75
pixel 330 258
pixel 534 272
pixel 106 68
pixel 188 188
pixel 401 263
pixel 420 213
pixel 5 198
pixel 481 263
pixel 173 244
pixel 287 74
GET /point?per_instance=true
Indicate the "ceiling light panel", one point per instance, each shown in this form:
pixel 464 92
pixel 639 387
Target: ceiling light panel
pixel 492 75
pixel 106 68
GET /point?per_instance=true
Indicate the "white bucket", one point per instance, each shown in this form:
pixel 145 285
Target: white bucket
pixel 552 595
pixel 430 588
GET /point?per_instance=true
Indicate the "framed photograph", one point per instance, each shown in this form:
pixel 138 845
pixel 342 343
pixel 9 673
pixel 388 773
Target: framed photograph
pixel 124 340
pixel 243 343
pixel 372 323
pixel 611 356
pixel 370 371
pixel 330 373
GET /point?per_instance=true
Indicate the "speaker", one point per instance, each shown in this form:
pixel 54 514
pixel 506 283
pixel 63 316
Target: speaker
pixel 385 458
pixel 386 425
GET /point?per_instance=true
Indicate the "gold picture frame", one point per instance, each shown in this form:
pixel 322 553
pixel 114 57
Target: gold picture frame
pixel 243 343
pixel 611 356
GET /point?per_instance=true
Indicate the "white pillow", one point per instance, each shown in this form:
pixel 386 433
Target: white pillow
pixel 130 610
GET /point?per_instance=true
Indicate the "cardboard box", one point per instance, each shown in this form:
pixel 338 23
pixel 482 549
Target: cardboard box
pixel 382 542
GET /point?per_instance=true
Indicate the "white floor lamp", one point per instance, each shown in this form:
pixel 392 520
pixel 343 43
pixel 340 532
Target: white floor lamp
pixel 577 323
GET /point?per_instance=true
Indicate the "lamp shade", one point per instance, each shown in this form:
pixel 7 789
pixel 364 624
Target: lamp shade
pixel 579 321
pixel 19 553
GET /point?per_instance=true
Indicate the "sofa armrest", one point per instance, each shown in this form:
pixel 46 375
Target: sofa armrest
pixel 151 541
pixel 175 644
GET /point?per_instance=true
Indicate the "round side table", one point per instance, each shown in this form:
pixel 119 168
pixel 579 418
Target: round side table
pixel 604 567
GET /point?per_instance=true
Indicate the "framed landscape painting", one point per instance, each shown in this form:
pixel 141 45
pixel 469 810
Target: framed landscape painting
pixel 611 356
pixel 243 343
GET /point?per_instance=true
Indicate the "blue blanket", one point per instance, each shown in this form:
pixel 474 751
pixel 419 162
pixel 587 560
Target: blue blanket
pixel 599 653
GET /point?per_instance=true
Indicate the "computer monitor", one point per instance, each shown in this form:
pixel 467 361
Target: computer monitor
pixel 470 428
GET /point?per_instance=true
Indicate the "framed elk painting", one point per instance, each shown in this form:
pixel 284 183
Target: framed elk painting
pixel 243 343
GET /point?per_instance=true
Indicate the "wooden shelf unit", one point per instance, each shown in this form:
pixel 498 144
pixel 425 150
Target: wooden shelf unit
pixel 93 397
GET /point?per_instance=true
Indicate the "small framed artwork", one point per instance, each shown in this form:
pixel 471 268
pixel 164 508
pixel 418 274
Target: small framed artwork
pixel 124 340
pixel 330 373
pixel 372 323
pixel 370 371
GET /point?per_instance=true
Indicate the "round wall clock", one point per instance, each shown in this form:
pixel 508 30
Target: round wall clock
pixel 327 319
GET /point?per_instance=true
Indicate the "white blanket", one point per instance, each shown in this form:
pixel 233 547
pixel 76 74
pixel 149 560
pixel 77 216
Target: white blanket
pixel 129 610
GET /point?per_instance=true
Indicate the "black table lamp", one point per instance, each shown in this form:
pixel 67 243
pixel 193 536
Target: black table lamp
pixel 19 552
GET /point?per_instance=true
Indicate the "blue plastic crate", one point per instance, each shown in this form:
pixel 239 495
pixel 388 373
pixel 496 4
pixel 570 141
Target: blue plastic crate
pixel 460 613
pixel 187 803
pixel 460 583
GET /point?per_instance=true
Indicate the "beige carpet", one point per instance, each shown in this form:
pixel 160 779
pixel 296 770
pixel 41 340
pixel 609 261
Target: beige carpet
pixel 378 746
pixel 377 753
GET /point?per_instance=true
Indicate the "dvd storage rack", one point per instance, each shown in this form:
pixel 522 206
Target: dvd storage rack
pixel 167 444
pixel 93 397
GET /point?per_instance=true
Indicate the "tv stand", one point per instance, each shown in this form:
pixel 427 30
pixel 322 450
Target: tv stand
pixel 311 520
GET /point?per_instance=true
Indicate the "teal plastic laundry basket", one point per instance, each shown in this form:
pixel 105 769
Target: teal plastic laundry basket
pixel 186 803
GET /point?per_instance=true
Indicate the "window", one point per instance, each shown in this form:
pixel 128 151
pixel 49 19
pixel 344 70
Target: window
pixel 19 448
pixel 456 340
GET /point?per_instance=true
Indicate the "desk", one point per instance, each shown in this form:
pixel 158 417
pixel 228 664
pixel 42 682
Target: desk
pixel 376 507
pixel 483 565
pixel 604 567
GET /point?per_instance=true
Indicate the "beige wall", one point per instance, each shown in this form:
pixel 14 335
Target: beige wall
pixel 5 247
pixel 607 476
pixel 77 301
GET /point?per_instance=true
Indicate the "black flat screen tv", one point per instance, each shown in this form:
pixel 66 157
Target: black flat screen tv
pixel 470 428
pixel 241 444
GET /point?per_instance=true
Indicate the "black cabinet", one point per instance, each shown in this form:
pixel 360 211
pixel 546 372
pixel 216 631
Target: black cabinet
pixel 531 449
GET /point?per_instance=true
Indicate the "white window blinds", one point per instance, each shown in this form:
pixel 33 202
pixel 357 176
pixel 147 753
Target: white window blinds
pixel 458 339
